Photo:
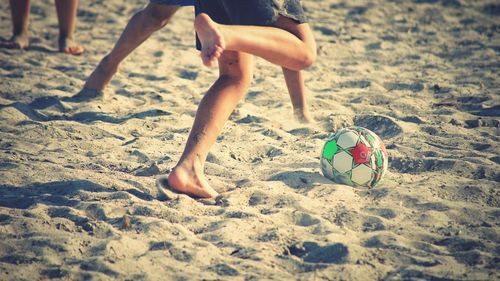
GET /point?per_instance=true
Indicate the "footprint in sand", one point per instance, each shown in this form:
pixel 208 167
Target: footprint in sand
pixel 82 223
pixel 418 165
pixel 356 84
pixel 147 77
pixel 178 254
pixel 304 219
pixel 258 198
pixel 399 86
pixel 384 126
pixel 312 252
pixel 370 224
pixel 325 30
pixel 466 251
pixel 251 119
pixel 188 74
pixel 223 269
pixel 386 213
pixel 54 273
pixel 96 265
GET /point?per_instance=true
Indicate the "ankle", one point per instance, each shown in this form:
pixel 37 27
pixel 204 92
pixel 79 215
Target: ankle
pixel 191 162
pixel 303 115
pixel 23 33
pixel 300 110
pixel 65 36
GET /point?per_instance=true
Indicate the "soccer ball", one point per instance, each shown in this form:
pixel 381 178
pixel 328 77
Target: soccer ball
pixel 354 156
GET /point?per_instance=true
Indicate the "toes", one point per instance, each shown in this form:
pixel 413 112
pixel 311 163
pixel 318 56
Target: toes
pixel 219 49
pixel 205 59
pixel 75 50
pixel 209 58
pixel 218 54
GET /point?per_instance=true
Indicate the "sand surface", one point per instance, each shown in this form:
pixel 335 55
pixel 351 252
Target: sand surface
pixel 77 193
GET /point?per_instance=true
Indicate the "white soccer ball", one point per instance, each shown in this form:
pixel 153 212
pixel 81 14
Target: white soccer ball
pixel 354 156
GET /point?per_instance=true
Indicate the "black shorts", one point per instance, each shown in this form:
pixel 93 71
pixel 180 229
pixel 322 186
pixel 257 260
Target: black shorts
pixel 249 12
pixel 173 2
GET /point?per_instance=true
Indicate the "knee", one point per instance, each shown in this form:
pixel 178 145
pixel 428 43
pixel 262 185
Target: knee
pixel 240 81
pixel 308 58
pixel 153 19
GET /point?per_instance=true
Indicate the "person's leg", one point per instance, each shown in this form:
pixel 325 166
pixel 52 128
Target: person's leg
pixel 215 108
pixel 20 10
pixel 295 79
pixel 66 16
pixel 297 91
pixel 273 44
pixel 139 28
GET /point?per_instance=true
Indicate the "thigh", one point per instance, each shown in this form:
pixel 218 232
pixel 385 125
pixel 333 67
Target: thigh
pixel 161 11
pixel 301 30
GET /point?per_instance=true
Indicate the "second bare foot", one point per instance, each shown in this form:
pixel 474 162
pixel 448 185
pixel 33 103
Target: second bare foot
pixel 20 41
pixel 303 116
pixel 86 94
pixel 212 41
pixel 68 46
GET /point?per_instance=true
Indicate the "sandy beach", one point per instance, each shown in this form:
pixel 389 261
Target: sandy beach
pixel 77 179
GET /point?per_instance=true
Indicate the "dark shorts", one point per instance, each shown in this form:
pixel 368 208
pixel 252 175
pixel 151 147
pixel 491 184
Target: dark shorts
pixel 173 2
pixel 249 12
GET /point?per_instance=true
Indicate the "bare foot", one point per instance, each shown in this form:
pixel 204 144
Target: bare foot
pixel 303 116
pixel 20 41
pixel 212 42
pixel 85 94
pixel 189 179
pixel 68 46
pixel 101 75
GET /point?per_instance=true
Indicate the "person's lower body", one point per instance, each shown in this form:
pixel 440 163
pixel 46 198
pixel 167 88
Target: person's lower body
pixel 277 33
pixel 66 15
pixel 235 68
pixel 19 10
pixel 235 75
pixel 140 27
pixel 248 26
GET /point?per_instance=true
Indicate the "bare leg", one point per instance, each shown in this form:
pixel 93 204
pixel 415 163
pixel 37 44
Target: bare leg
pixel 273 44
pixel 214 110
pixel 297 91
pixel 20 11
pixel 66 15
pixel 295 79
pixel 139 28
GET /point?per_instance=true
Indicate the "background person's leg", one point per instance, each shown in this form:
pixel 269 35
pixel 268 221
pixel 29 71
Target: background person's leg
pixel 66 15
pixel 215 108
pixel 20 11
pixel 139 28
